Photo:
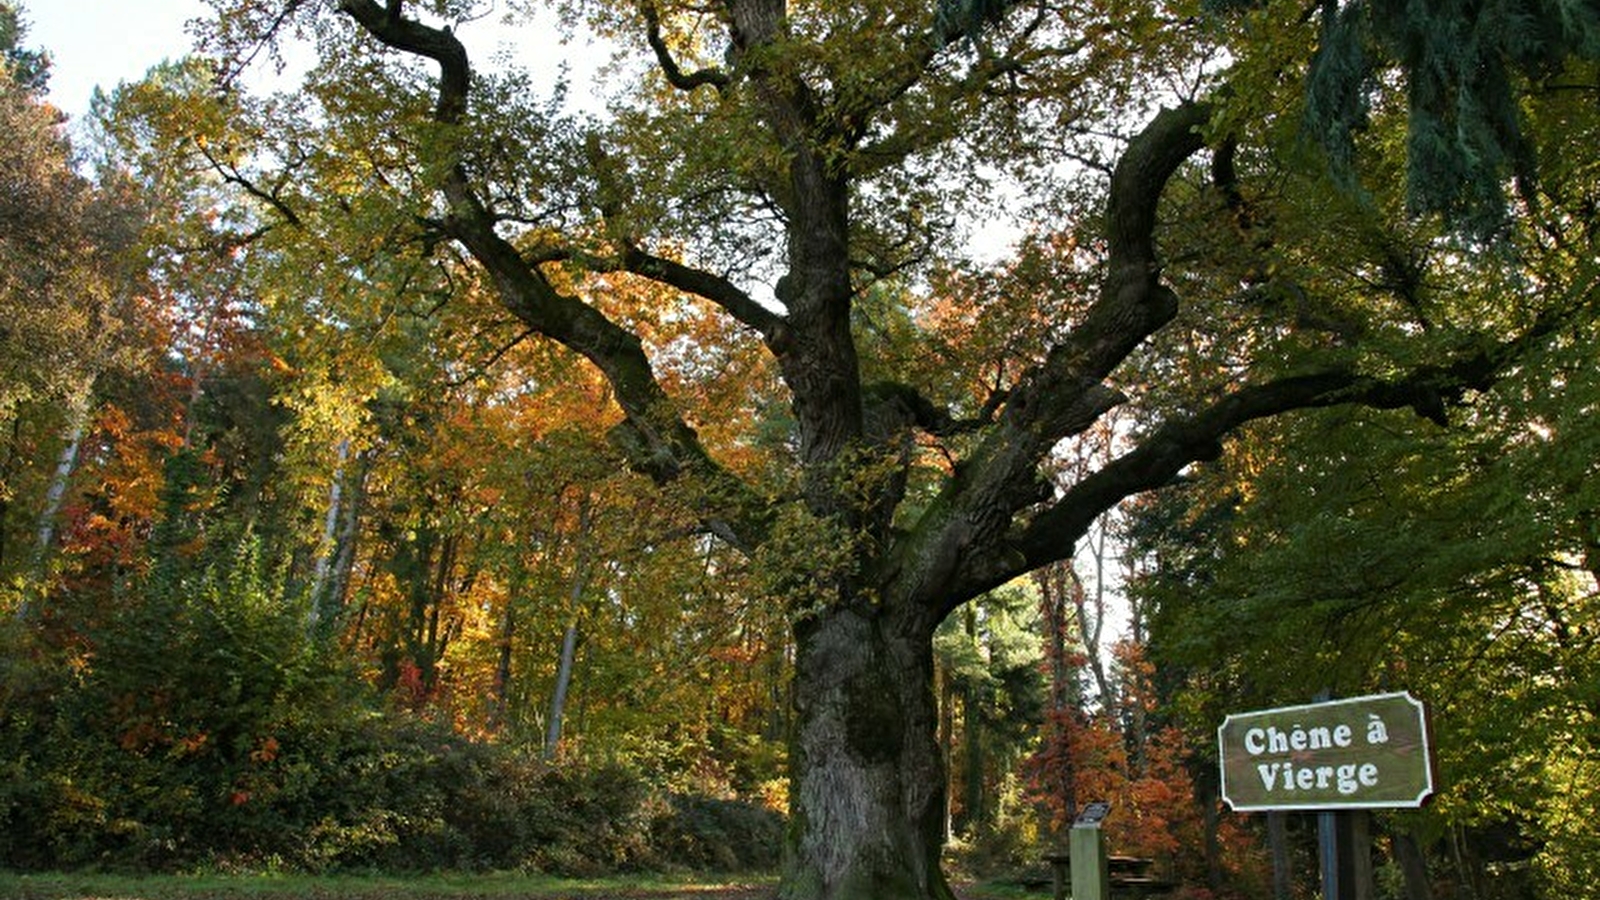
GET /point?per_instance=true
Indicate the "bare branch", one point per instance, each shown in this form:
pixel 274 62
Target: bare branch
pixel 231 174
pixel 498 354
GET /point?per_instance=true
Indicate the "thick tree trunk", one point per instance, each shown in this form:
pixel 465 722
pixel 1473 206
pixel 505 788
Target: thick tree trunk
pixel 867 801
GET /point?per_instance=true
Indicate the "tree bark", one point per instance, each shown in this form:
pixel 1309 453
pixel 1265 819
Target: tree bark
pixel 1278 844
pixel 1413 865
pixel 558 696
pixel 58 485
pixel 341 530
pixel 330 532
pixel 867 800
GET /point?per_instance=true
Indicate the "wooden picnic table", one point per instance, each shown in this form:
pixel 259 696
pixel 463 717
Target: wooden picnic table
pixel 1128 875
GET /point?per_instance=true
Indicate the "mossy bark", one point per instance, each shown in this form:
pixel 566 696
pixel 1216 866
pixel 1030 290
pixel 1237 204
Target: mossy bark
pixel 868 793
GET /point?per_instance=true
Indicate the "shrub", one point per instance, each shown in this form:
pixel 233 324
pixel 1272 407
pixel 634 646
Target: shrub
pixel 711 834
pixel 207 729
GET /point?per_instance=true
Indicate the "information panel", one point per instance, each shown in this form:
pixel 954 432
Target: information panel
pixel 1361 753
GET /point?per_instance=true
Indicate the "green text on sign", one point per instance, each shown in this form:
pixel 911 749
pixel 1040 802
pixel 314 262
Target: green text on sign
pixel 1363 753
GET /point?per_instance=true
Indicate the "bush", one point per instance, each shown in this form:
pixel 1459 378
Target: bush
pixel 335 784
pixel 205 728
pixel 710 834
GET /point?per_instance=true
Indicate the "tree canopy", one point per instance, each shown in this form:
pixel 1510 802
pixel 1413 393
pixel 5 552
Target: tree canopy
pixel 727 379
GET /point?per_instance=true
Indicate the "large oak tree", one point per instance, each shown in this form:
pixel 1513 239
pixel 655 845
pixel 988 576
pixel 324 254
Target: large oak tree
pixel 791 165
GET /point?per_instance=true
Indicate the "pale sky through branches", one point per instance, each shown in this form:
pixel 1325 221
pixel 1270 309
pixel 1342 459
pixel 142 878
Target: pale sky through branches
pixel 105 42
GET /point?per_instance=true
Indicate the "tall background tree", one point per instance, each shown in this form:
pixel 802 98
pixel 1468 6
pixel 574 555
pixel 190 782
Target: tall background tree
pixel 66 257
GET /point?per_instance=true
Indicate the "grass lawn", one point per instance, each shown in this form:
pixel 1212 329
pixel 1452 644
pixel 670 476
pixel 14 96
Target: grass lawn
pixel 492 886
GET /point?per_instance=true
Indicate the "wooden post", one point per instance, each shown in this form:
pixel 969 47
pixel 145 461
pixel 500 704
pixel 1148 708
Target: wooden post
pixel 1091 875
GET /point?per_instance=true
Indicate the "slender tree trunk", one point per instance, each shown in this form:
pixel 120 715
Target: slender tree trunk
pixel 502 669
pixel 1278 843
pixel 500 707
pixel 1091 624
pixel 972 812
pixel 344 560
pixel 558 698
pixel 569 640
pixel 868 793
pixel 1413 866
pixel 330 532
pixel 58 486
pixel 6 466
pixel 947 738
pixel 341 532
pixel 65 466
pixel 436 640
pixel 407 645
pixel 1064 698
pixel 1466 867
pixel 779 694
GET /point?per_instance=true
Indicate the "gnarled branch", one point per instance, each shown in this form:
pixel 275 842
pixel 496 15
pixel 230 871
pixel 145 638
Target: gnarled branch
pixel 965 532
pixel 1429 391
pixel 667 447
pixel 669 66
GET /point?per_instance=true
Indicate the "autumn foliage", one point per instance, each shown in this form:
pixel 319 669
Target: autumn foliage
pixel 405 471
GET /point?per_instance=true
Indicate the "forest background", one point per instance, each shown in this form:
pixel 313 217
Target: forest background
pixel 312 558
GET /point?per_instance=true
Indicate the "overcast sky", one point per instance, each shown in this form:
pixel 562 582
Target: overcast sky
pixel 104 42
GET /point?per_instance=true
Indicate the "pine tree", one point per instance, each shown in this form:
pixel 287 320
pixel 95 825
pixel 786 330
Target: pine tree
pixel 27 69
pixel 1464 63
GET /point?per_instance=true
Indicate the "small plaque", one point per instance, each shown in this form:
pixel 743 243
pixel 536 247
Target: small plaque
pixel 1092 814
